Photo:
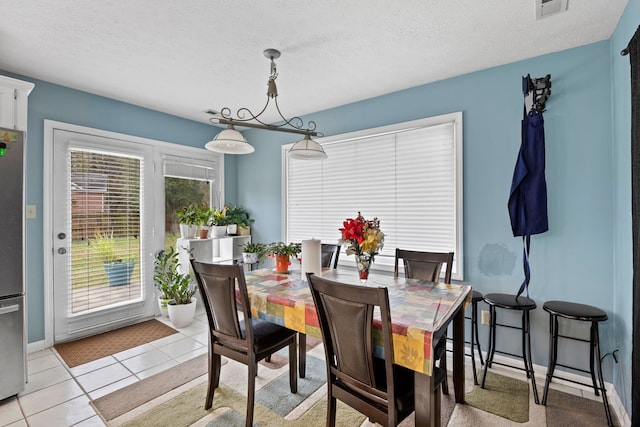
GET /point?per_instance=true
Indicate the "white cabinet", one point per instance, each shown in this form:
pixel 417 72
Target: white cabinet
pixel 226 250
pixel 13 103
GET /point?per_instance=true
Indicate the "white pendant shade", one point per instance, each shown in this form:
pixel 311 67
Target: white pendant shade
pixel 230 141
pixel 307 149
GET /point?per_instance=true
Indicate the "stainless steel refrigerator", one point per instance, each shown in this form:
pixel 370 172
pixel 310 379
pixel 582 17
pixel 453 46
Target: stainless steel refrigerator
pixel 13 341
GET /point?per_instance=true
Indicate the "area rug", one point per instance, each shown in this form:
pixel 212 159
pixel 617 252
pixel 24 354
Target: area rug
pixel 92 348
pixel 502 396
pixel 130 397
pixel 565 409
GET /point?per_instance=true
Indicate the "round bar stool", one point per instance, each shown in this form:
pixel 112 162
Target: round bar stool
pixel 585 313
pixel 509 302
pixel 476 297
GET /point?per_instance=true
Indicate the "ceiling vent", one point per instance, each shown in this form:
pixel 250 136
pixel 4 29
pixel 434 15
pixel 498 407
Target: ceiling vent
pixel 546 8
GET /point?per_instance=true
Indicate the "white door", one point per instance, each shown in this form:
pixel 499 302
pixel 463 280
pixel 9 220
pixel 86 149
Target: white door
pixel 102 197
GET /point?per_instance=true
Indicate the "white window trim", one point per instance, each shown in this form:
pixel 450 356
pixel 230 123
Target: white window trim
pixel 456 119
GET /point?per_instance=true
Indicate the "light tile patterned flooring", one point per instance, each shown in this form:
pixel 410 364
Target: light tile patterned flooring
pixel 59 396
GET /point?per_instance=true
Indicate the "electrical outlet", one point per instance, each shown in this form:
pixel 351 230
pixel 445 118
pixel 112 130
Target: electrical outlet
pixel 484 317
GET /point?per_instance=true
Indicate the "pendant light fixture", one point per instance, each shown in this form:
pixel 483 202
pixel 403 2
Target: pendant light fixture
pixel 230 141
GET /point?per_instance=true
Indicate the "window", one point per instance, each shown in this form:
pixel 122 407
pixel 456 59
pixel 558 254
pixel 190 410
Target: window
pixel 188 180
pixel 408 175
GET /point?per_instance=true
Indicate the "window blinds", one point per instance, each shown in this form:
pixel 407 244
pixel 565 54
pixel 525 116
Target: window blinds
pixel 407 178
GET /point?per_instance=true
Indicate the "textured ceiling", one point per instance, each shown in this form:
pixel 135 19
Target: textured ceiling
pixel 185 57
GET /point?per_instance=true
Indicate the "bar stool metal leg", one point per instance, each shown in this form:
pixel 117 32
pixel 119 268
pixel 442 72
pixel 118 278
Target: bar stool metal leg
pixel 553 354
pixel 492 342
pixel 528 362
pixel 596 343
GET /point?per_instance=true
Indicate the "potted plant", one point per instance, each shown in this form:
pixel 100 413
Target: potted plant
pixel 204 214
pixel 219 221
pixel 117 268
pixel 188 219
pixel 182 306
pixel 176 289
pixel 253 252
pixel 241 219
pixel 282 253
pixel 165 268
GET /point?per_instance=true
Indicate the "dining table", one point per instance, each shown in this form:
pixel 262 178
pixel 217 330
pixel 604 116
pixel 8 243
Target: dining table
pixel 420 315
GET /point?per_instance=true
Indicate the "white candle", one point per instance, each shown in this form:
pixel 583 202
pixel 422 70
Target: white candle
pixel 311 257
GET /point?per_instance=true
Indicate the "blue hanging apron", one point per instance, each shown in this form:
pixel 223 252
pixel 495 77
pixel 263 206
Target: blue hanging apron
pixel 528 196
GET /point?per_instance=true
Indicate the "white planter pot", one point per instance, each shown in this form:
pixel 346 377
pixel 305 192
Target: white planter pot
pixel 188 231
pixel 182 315
pixel 232 229
pixel 162 305
pixel 219 230
pixel 249 257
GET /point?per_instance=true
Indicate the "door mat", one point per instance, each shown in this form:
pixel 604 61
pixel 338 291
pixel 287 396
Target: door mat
pixel 92 348
pixel 502 396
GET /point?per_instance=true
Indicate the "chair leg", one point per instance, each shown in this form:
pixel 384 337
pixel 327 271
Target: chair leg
pixel 331 410
pixel 293 376
pixel 443 366
pixel 473 340
pixel 251 391
pixel 302 354
pixel 214 378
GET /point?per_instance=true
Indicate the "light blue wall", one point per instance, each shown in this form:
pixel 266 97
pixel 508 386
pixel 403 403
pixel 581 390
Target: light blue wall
pixel 583 258
pixel 573 261
pixel 49 101
pixel 621 191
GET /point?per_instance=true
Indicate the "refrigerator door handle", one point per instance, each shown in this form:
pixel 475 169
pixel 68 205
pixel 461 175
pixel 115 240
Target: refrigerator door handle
pixel 9 308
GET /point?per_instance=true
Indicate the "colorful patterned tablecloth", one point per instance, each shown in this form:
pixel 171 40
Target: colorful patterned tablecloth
pixel 417 308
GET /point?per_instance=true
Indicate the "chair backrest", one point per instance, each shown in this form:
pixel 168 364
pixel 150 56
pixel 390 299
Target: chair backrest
pixel 219 286
pixel 425 266
pixel 345 314
pixel 330 252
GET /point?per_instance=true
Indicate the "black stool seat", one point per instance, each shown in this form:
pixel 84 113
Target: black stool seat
pixel 574 311
pixel 581 312
pixel 511 302
pixel 476 297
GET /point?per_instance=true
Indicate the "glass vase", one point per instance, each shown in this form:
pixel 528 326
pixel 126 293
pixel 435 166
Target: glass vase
pixel 363 262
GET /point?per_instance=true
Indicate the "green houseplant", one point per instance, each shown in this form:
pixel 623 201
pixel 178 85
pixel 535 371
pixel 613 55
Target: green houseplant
pixel 282 253
pixel 240 217
pixel 176 288
pixel 253 252
pixel 188 218
pixel 219 221
pixel 118 269
pixel 165 268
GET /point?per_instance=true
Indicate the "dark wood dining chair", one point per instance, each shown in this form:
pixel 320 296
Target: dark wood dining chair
pixel 427 266
pixel 330 254
pixel 244 339
pixel 329 259
pixel 378 388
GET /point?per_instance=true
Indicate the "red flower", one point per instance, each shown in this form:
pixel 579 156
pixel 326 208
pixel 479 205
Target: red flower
pixel 353 229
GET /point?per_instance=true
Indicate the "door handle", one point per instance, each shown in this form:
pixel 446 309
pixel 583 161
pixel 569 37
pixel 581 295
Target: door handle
pixel 9 309
pixel 62 251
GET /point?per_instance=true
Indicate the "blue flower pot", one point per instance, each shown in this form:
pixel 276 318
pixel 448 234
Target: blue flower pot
pixel 119 273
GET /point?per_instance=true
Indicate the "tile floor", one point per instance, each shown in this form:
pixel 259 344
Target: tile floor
pixel 59 396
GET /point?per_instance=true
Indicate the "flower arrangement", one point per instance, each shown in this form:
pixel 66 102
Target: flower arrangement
pixel 362 236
